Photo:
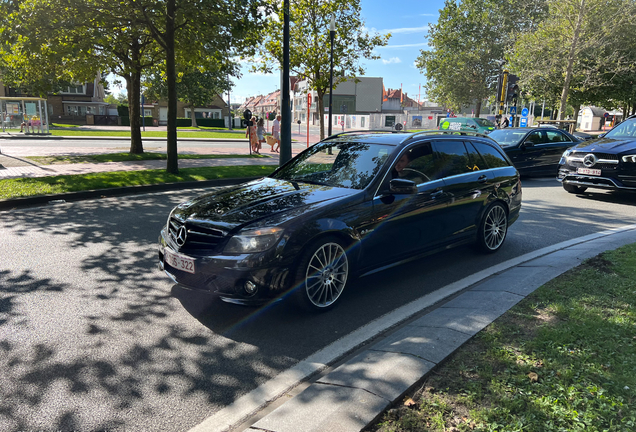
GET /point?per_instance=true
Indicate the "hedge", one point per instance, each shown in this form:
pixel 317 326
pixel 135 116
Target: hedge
pixel 125 121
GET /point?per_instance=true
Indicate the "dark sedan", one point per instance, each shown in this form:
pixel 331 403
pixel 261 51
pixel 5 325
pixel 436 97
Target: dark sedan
pixel 605 163
pixel 348 206
pixel 534 151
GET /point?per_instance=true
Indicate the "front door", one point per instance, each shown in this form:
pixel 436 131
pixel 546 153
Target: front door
pixel 163 115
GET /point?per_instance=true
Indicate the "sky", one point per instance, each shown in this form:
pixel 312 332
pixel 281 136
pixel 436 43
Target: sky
pixel 407 22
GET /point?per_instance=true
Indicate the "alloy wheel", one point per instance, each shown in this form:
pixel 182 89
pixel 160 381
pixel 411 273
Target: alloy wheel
pixel 326 275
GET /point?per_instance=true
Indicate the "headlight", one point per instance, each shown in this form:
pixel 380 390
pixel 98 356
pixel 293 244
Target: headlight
pixel 566 153
pixel 629 158
pixel 254 240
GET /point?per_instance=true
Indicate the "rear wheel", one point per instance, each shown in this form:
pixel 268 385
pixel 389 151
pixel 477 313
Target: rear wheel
pixel 574 189
pixel 322 274
pixel 493 228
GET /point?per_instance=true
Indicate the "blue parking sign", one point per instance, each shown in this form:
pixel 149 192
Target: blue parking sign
pixel 523 122
pixel 524 112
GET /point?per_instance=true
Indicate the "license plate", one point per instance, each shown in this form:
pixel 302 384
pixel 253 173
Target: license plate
pixel 588 171
pixel 178 261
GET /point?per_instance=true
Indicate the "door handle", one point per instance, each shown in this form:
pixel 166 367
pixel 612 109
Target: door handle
pixel 482 178
pixel 437 194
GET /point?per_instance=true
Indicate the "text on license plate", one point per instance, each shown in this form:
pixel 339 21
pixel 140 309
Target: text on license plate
pixel 588 171
pixel 179 262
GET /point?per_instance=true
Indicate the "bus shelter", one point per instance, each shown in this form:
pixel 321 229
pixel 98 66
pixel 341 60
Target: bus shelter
pixel 30 114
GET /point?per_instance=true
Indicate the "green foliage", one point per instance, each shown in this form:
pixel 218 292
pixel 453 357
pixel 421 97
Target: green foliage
pixel 583 50
pixel 309 52
pixel 466 44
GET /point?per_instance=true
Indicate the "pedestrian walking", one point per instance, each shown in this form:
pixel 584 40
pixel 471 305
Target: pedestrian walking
pixel 276 132
pixel 260 132
pixel 251 133
pixel 505 123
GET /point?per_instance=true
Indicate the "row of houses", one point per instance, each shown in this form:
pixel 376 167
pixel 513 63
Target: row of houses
pixel 354 97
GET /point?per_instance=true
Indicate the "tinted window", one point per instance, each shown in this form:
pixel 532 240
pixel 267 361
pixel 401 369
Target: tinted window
pixel 350 165
pixel 484 122
pixel 451 159
pixel 556 136
pixel 476 161
pixel 536 138
pixel 491 155
pixel 416 164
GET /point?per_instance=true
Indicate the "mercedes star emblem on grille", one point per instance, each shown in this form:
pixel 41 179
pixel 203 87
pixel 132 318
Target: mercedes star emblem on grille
pixel 589 160
pixel 182 234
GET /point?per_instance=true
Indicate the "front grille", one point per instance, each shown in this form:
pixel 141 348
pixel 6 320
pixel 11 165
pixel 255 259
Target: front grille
pixel 198 237
pixel 602 166
pixel 607 156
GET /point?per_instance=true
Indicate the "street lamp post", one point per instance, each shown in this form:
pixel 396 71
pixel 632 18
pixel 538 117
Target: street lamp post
pixel 332 33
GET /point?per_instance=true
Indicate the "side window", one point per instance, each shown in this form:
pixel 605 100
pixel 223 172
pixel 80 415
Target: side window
pixel 452 159
pixel 556 136
pixel 491 155
pixel 477 163
pixel 416 164
pixel 535 138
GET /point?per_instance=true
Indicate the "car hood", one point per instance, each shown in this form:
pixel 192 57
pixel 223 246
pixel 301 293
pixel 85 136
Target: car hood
pixel 607 145
pixel 249 202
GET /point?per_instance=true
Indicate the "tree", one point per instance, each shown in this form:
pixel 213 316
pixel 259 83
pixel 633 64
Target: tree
pixel 583 47
pixel 309 52
pixel 467 44
pixel 75 40
pixel 193 32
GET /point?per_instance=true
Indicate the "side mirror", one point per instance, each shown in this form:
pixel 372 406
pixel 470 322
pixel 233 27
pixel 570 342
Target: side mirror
pixel 527 144
pixel 402 186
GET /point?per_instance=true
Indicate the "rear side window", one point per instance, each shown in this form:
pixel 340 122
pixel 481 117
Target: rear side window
pixel 491 155
pixel 452 159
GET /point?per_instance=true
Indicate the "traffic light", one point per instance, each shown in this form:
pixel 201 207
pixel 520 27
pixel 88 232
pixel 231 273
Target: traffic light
pixel 513 88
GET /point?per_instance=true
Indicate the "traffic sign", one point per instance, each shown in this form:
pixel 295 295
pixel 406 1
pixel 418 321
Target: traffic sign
pixel 523 122
pixel 606 115
pixel 513 110
pixel 524 112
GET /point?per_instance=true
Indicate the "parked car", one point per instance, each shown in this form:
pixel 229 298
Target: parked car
pixel 348 206
pixel 581 136
pixel 466 124
pixel 604 163
pixel 534 151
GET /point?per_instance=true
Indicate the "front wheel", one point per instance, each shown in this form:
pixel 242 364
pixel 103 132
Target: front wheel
pixel 322 274
pixel 493 228
pixel 574 189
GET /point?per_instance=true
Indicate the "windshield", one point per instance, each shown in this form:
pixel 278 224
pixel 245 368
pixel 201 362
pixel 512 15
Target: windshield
pixel 484 122
pixel 627 129
pixel 348 165
pixel 507 137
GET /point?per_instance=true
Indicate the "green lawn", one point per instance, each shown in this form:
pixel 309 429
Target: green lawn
pixel 23 187
pixel 563 359
pixel 121 157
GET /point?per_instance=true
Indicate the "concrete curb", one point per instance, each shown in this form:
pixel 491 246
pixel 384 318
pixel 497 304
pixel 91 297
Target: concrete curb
pixel 15 203
pixel 354 394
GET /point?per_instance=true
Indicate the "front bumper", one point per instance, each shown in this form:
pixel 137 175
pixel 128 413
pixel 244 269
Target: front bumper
pixel 227 275
pixel 616 182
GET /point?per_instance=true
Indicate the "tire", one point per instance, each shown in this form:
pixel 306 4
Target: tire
pixel 493 228
pixel 574 189
pixel 322 274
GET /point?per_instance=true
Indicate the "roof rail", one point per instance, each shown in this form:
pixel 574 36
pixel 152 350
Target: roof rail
pixel 446 132
pixel 361 131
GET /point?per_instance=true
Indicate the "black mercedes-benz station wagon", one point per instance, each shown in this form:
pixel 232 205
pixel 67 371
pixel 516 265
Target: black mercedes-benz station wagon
pixel 350 205
pixel 605 163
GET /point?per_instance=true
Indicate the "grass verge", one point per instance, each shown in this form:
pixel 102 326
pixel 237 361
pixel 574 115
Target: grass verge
pixel 563 359
pixel 23 187
pixel 121 157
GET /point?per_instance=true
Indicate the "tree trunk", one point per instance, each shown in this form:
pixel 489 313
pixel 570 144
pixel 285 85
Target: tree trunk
pixel 321 110
pixel 571 56
pixel 172 166
pixel 133 85
pixel 193 116
pixel 478 108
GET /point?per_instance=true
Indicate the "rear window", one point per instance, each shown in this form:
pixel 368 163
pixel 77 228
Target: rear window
pixel 491 155
pixel 484 122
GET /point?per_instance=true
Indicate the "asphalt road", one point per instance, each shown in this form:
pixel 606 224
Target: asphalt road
pixel 94 337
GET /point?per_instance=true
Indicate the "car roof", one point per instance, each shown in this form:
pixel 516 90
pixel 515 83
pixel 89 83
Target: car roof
pixel 397 138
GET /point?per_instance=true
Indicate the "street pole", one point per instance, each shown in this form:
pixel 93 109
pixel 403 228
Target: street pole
pixel 332 34
pixel 143 114
pixel 285 135
pixel 229 105
pixel 542 109
pixel 308 112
